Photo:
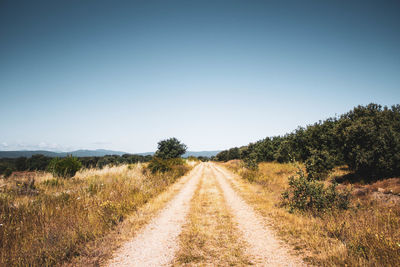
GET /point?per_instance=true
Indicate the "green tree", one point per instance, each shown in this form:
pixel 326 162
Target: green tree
pixel 370 140
pixel 64 167
pixel 38 162
pixel 21 164
pixel 319 165
pixel 170 148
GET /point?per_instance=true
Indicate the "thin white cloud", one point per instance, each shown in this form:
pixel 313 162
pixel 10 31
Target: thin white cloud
pixel 40 146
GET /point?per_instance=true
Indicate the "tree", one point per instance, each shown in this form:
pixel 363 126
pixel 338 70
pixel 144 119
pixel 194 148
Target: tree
pixel 38 162
pixel 170 148
pixel 64 167
pixel 370 140
pixel 21 163
pixel 319 164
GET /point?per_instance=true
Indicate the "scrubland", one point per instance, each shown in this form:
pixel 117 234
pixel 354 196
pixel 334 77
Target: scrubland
pixel 47 221
pixel 365 234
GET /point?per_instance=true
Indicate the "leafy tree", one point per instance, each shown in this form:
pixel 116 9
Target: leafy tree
pixel 283 153
pixel 38 162
pixel 21 164
pixel 319 164
pixel 101 163
pixel 203 159
pixel 222 156
pixel 170 148
pixel 367 139
pixel 370 140
pixel 64 167
pixel 233 153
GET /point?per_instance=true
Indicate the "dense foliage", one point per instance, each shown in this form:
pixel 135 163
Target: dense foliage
pixel 367 139
pixel 167 165
pixel 34 163
pixel 307 194
pixel 64 167
pixel 370 140
pixel 41 162
pixel 170 148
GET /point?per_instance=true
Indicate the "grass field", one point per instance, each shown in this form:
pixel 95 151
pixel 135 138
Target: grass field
pixel 46 221
pixel 366 234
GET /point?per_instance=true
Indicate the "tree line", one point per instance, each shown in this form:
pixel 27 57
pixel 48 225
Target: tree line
pixel 366 139
pixel 41 163
pixel 166 158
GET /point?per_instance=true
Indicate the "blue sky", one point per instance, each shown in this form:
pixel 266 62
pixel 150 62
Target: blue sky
pixel 215 74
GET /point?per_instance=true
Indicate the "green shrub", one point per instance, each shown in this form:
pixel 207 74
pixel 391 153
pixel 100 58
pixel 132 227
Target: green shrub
pixel 310 195
pixel 319 164
pixel 165 165
pixel 64 167
pixel 251 163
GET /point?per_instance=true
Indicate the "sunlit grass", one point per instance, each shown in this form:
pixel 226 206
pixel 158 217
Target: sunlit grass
pixel 48 222
pixel 367 234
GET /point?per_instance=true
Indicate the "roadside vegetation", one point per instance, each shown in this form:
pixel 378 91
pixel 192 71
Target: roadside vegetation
pixel 364 233
pixel 42 163
pixel 366 139
pixel 332 186
pixel 47 219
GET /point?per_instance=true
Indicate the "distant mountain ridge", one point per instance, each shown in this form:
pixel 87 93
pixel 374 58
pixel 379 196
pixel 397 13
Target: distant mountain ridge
pixel 201 153
pixel 76 153
pixel 91 153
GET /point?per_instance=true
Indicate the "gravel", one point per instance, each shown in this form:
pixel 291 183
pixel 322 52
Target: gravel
pixel 262 245
pixel 157 243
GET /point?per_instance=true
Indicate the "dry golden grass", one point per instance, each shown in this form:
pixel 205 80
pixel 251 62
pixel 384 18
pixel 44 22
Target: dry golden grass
pixel 49 222
pixel 210 238
pixel 367 234
pixel 99 251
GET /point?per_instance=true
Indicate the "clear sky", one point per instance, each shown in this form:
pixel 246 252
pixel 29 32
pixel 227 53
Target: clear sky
pixel 215 74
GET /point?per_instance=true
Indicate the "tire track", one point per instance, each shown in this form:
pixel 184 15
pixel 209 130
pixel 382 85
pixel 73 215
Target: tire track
pixel 263 247
pixel 157 243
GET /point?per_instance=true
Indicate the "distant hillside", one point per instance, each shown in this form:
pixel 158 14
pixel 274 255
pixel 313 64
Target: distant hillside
pixel 77 153
pixel 201 153
pixel 91 153
pixel 191 153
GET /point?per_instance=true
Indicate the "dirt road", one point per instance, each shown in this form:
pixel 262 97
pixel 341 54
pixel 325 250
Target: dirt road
pixel 159 242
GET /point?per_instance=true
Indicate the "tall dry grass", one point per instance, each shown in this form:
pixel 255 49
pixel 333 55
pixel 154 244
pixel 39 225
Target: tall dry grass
pixel 367 234
pixel 47 222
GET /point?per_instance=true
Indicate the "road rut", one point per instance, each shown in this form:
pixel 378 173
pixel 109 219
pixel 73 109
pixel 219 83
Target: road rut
pixel 263 247
pixel 157 243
